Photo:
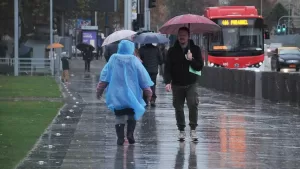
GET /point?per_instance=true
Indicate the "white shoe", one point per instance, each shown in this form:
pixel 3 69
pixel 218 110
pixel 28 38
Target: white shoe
pixel 193 135
pixel 181 135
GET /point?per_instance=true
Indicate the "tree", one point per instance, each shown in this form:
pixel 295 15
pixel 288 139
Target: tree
pixel 268 13
pixel 159 14
pixel 278 11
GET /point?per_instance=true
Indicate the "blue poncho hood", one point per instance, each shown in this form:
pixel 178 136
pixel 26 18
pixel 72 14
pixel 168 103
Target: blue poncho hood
pixel 126 77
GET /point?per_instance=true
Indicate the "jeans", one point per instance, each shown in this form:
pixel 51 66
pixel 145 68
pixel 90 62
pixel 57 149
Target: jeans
pixel 188 93
pixel 153 77
pixel 87 64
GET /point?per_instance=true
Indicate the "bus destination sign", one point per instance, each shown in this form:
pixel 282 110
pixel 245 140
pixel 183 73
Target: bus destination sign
pixel 235 22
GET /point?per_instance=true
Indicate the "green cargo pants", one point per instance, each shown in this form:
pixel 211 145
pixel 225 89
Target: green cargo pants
pixel 188 93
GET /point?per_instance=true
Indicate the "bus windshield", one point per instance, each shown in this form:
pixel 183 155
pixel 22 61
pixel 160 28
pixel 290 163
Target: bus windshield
pixel 237 36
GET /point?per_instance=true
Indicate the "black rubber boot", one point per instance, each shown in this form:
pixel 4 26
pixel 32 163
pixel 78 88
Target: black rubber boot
pixel 120 133
pixel 130 131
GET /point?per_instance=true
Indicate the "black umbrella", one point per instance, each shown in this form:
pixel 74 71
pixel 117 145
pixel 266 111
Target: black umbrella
pixel 84 46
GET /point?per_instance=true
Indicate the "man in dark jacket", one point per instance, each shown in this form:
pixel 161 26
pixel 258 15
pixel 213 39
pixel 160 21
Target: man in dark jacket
pixel 151 58
pixel 87 57
pixel 183 57
pixel 110 50
pixel 164 53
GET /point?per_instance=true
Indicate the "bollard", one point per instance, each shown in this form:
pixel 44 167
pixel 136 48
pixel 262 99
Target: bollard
pixel 271 86
pixel 298 89
pixel 219 79
pixel 200 80
pixel 211 77
pixel 238 76
pixel 250 75
pixel 258 86
pixel 222 78
pixel 292 87
pixel 264 81
pixel 278 88
pixel 285 88
pixel 231 81
pixel 225 80
pixel 212 73
pixel 243 83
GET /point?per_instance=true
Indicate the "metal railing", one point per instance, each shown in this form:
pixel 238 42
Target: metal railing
pixel 6 61
pixel 30 66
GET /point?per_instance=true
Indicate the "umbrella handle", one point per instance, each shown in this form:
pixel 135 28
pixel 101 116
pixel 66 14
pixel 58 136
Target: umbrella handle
pixel 189 26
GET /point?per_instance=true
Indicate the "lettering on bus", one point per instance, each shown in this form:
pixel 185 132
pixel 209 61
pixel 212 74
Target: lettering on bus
pixel 235 22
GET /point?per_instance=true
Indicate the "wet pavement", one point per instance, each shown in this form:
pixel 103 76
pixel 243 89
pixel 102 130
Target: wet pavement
pixel 234 132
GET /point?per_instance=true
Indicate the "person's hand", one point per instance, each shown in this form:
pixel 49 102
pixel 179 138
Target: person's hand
pixel 189 55
pixel 168 87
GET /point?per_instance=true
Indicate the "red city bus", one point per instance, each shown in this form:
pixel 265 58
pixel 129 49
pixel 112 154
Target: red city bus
pixel 240 42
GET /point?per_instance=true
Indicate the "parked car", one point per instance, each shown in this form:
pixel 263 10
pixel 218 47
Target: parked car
pixel 286 57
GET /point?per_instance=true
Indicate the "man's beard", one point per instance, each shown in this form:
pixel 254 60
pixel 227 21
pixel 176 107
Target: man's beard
pixel 184 44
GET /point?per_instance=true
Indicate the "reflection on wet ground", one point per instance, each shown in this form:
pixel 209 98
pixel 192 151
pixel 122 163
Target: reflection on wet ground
pixel 234 133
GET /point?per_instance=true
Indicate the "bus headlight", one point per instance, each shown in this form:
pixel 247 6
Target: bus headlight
pixel 260 63
pixel 212 64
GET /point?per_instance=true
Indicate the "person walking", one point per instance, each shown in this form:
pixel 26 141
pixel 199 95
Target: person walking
pixel 151 58
pixel 182 59
pixel 99 47
pixel 164 53
pixel 87 57
pixel 110 50
pixel 124 76
pixel 65 66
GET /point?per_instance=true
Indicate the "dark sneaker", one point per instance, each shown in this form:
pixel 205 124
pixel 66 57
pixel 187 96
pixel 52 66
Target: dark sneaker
pixel 120 133
pixel 152 103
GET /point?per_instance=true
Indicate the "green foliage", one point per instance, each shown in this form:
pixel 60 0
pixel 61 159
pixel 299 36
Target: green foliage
pixel 278 11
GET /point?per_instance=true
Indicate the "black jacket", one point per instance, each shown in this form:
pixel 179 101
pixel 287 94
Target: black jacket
pixel 110 50
pixel 87 55
pixel 151 57
pixel 177 67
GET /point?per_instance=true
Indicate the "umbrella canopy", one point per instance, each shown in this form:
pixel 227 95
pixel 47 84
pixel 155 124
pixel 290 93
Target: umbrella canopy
pixel 150 37
pixel 84 46
pixel 55 46
pixel 196 24
pixel 118 35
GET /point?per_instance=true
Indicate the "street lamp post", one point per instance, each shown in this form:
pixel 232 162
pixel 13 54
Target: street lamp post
pixel 16 37
pixel 51 37
pixel 278 22
pixel 290 13
pixel 51 23
pixel 261 7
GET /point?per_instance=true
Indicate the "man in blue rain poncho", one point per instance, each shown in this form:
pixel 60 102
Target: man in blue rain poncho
pixel 126 79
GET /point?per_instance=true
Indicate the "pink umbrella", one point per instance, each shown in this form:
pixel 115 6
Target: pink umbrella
pixel 196 24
